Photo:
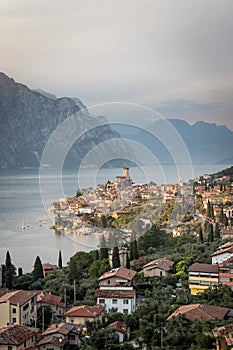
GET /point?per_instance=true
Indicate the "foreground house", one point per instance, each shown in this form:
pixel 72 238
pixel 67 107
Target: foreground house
pixel 122 300
pixel 122 330
pixel 51 300
pixel 202 277
pixel 17 337
pixel 158 268
pixel 202 312
pixel 82 314
pixel 58 336
pixel 119 277
pixel 18 307
pixel 116 290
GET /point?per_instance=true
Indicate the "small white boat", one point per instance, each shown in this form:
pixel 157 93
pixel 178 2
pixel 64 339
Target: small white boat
pixel 23 226
pixel 27 225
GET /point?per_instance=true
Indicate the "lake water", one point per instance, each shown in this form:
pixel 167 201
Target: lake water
pixel 25 196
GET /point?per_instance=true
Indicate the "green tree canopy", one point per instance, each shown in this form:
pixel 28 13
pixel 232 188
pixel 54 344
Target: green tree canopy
pixel 38 269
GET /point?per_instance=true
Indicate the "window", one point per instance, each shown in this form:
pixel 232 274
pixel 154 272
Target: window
pixel 101 301
pixel 25 344
pixel 125 311
pixel 71 336
pixel 14 310
pixel 14 320
pixel 224 279
pixel 125 301
pixel 9 348
pixel 26 306
pixel 114 301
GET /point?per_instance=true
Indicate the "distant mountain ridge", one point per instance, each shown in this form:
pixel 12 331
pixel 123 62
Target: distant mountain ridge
pixel 29 117
pixel 205 142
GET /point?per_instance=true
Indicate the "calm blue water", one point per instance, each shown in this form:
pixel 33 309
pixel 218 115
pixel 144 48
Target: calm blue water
pixel 21 202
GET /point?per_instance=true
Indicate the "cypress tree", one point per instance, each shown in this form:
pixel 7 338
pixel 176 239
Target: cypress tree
pixel 212 211
pixel 9 271
pixel 127 265
pixel 96 257
pixel 208 210
pixel 205 226
pixel 115 258
pixel 225 220
pixel 201 235
pixel 133 247
pixel 38 269
pixel 221 216
pixel 210 233
pixel 103 249
pixel 60 260
pixel 217 231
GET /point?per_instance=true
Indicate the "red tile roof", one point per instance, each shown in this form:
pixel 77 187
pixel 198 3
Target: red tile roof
pixel 16 335
pixel 52 340
pixel 228 249
pixel 163 264
pixel 85 311
pixel 120 327
pixel 197 267
pixel 48 266
pixel 50 299
pixel 200 312
pixel 63 328
pixel 113 293
pixel 120 272
pixel 17 297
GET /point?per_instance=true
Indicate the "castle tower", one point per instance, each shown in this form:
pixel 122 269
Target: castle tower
pixel 126 172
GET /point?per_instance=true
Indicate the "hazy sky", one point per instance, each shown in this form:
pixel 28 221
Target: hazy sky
pixel 172 55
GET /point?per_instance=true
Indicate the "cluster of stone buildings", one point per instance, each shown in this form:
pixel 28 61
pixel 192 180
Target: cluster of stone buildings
pixel 218 191
pixel 19 318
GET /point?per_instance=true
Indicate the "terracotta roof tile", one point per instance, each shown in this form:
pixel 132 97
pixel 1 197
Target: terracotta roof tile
pixel 112 293
pixel 224 250
pixel 63 328
pixel 85 311
pixel 17 297
pixel 197 267
pixel 163 264
pixel 120 327
pixel 200 312
pixel 120 272
pixel 52 340
pixel 16 335
pixel 51 299
pixel 48 266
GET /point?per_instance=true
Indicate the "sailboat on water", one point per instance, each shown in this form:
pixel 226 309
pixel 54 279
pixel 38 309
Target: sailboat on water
pixel 23 226
pixel 27 225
